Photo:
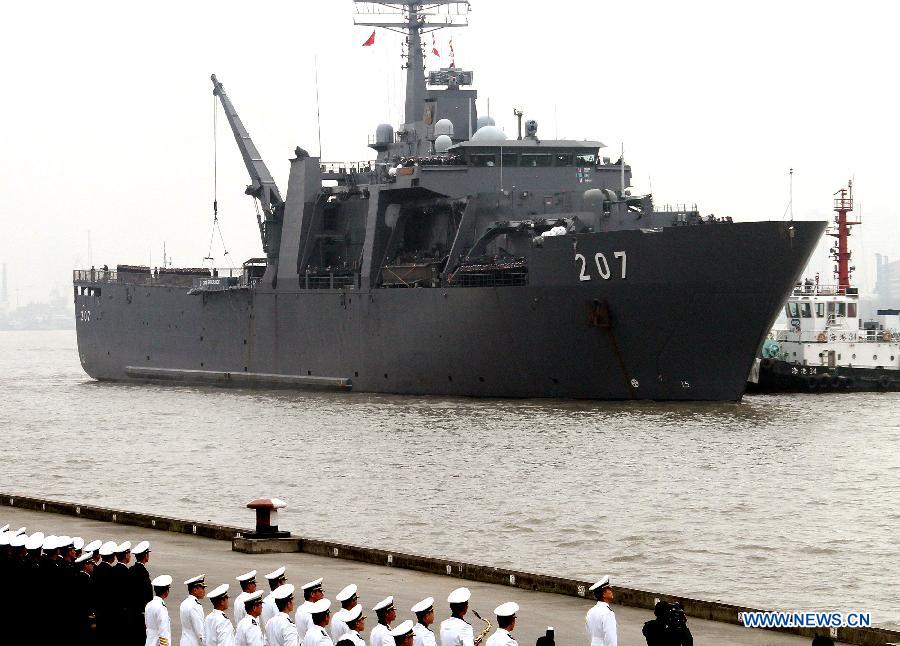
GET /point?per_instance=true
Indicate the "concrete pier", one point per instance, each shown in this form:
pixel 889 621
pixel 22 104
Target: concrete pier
pixel 185 554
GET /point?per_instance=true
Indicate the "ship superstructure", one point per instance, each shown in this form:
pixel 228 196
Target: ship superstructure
pixel 459 261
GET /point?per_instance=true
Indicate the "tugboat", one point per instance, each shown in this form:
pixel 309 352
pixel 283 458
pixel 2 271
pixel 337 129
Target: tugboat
pixel 828 347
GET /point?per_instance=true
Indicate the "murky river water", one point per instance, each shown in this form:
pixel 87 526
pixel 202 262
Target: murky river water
pixel 789 501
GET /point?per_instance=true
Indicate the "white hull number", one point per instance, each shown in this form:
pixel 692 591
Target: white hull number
pixel 602 264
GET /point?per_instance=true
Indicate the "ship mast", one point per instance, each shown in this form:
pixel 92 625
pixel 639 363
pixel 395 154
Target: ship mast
pixel 843 204
pixel 412 18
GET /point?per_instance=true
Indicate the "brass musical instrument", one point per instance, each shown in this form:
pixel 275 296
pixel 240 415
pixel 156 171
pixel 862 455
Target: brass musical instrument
pixel 485 631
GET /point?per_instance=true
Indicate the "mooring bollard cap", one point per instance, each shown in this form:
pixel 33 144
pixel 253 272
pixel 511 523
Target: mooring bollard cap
pixel 267 503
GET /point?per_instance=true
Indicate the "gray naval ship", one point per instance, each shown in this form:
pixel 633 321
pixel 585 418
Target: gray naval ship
pixel 458 262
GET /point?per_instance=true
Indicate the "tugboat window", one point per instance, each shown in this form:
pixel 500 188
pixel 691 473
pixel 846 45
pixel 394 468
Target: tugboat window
pixel 841 310
pixel 851 310
pixel 806 310
pixel 820 310
pixel 793 310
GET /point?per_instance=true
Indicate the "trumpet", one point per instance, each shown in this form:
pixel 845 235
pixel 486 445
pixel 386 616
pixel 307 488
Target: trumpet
pixel 484 631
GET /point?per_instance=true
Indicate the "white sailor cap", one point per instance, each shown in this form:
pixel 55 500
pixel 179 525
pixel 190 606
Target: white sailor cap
pixel 108 548
pixel 18 540
pixel 277 574
pixel 78 543
pixel 49 543
pixel 162 581
pixel 312 585
pixel 460 595
pixel 218 591
pixel 602 583
pixel 320 606
pixel 254 597
pixel 384 604
pixel 200 579
pixel 5 538
pixel 404 629
pixel 21 530
pixel 121 548
pixel 349 616
pixel 507 609
pixel 140 548
pixel 85 556
pixel 93 546
pixel 283 591
pixel 35 541
pixel 4 528
pixel 346 593
pixel 424 605
pixel 63 541
pixel 246 578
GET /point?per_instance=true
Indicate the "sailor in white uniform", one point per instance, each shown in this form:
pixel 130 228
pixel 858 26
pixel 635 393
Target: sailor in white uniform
pixel 156 615
pixel 191 612
pixel 506 623
pixel 320 616
pixel 312 592
pixel 248 631
pixel 424 612
pixel 276 579
pixel 600 622
pixel 218 629
pixel 348 600
pixel 381 633
pixel 247 581
pixel 356 625
pixel 403 634
pixel 280 630
pixel 456 631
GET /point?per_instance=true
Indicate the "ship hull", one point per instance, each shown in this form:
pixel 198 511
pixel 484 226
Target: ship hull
pixel 683 321
pixel 776 376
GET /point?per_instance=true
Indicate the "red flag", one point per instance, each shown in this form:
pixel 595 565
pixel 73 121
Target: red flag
pixel 371 40
pixel 434 46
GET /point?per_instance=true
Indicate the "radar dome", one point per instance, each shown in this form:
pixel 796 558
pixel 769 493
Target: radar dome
pixel 489 134
pixel 442 144
pixel 384 134
pixel 443 127
pixel 486 120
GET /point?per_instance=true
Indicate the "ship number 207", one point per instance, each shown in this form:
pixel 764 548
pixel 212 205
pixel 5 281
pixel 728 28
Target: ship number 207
pixel 603 265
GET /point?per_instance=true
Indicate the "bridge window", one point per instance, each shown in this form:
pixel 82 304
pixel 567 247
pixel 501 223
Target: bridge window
pixel 806 310
pixel 483 160
pixel 510 159
pixel 820 310
pixel 585 160
pixel 533 161
pixel 562 159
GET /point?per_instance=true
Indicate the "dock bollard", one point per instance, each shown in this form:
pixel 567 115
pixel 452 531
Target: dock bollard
pixel 267 518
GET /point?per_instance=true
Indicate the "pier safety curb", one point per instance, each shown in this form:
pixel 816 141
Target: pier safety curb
pixel 710 610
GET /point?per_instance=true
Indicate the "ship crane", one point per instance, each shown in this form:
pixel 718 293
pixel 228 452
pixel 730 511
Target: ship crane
pixel 262 185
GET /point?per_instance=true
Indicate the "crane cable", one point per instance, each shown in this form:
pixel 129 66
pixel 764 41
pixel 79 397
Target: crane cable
pixel 215 224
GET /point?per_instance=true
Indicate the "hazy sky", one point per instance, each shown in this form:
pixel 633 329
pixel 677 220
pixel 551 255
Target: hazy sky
pixel 107 111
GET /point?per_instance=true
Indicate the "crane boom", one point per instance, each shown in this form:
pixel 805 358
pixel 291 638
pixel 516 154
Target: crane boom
pixel 262 185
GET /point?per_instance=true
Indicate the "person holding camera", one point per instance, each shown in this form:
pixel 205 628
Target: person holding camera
pixel 670 626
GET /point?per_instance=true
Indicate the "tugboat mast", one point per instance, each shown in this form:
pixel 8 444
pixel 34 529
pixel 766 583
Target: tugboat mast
pixel 843 204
